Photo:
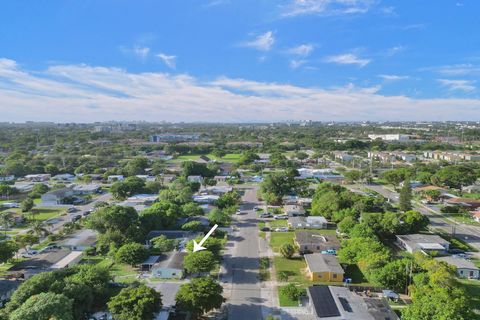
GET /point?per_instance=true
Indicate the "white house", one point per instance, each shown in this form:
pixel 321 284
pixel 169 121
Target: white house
pixel 423 243
pixel 198 179
pixel 115 177
pixel 465 268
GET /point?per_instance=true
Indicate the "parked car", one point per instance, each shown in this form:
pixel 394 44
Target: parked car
pixel 72 209
pixel 238 211
pixel 281 217
pixel 266 215
pixel 281 229
pixel 265 229
pixel 76 218
pixel 329 251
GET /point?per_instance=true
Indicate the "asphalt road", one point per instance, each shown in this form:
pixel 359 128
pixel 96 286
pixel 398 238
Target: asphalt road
pixel 468 233
pixel 242 263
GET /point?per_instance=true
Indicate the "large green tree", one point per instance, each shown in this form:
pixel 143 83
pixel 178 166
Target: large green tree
pixel 44 306
pixel 135 303
pixel 131 253
pixel 405 200
pixel 199 262
pixel 199 296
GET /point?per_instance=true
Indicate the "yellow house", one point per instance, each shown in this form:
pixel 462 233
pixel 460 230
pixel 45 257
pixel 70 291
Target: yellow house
pixel 324 267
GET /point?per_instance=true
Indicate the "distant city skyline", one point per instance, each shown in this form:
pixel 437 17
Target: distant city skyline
pixel 239 61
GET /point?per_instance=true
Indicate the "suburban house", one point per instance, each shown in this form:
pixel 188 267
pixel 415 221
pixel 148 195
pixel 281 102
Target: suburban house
pixel 115 177
pixel 84 189
pixel 182 236
pixel 465 268
pixel 40 177
pixel 57 196
pixel 148 264
pixel 198 179
pixel 219 179
pixel 464 202
pixel 140 201
pixel 210 198
pixel 323 174
pixel 422 242
pixel 342 156
pixel 7 178
pixel 324 267
pixel 65 177
pixel 80 240
pixel 310 222
pixel 339 303
pixel 203 159
pixel 218 190
pixel 474 188
pixel 309 242
pixel 294 210
pixel 69 260
pixel 170 266
pixel 476 215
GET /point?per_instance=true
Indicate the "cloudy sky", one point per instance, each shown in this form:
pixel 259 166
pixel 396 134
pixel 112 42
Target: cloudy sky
pixel 239 60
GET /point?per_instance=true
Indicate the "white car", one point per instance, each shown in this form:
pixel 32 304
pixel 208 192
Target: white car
pixel 280 217
pixel 281 229
pixel 238 211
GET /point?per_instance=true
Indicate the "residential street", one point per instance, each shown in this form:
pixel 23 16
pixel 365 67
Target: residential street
pixel 242 264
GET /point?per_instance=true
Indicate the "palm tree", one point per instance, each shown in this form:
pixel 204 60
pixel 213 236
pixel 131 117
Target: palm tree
pixel 6 221
pixel 38 228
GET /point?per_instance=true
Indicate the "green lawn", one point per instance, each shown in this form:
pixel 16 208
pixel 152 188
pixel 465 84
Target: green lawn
pixel 473 291
pixel 229 157
pixel 285 301
pixel 279 238
pixel 278 223
pixel 461 218
pixel 42 214
pixel 294 268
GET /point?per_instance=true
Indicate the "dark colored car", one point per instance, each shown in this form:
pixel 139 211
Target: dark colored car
pixel 265 229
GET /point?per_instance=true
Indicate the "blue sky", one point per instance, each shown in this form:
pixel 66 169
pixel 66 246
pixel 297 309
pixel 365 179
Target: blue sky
pixel 239 60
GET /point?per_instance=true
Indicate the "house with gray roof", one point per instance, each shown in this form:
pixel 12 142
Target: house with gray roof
pixel 465 268
pixel 423 243
pixel 169 266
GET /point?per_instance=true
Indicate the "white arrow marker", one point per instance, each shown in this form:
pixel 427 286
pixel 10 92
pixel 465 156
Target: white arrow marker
pixel 198 246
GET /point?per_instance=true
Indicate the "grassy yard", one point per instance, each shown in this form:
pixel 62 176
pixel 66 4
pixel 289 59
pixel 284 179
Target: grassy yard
pixel 229 157
pixel 42 214
pixel 279 238
pixel 278 223
pixel 461 218
pixel 286 301
pixel 473 291
pixel 294 268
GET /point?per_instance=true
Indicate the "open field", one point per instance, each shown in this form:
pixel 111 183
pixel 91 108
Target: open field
pixel 229 157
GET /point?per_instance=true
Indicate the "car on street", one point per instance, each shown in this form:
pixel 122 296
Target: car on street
pixel 281 229
pixel 265 215
pixel 72 209
pixel 238 211
pixel 76 218
pixel 266 229
pixel 280 217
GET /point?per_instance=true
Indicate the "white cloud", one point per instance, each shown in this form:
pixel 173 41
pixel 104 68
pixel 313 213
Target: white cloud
pixel 415 26
pixel 348 58
pixel 456 69
pixel 394 50
pixel 393 77
pixel 303 50
pixel 141 52
pixel 169 60
pixel 262 42
pixel 83 93
pixel 327 7
pixel 295 64
pixel 458 85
